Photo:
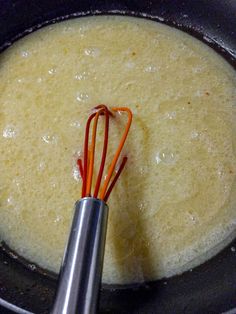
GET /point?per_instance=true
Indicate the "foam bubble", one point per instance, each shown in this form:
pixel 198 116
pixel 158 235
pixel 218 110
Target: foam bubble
pixel 10 131
pixel 50 138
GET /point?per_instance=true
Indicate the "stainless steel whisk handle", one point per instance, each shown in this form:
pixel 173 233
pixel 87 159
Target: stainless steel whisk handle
pixel 81 269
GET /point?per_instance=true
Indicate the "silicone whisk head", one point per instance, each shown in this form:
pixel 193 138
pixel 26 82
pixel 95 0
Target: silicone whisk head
pixel 86 166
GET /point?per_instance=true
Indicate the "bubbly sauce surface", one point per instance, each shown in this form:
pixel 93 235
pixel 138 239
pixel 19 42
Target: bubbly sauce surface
pixel 174 205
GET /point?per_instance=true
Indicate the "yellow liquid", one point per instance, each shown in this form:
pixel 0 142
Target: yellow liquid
pixel 174 205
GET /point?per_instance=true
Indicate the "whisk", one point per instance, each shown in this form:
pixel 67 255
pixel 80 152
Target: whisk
pixel 81 270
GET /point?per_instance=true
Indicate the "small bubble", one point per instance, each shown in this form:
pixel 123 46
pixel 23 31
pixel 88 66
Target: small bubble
pixel 194 135
pixel 167 157
pixel 143 170
pixel 32 267
pixel 119 112
pixel 82 96
pixel 233 249
pixel 81 76
pixel 171 115
pixel 10 131
pixel 57 219
pixel 192 218
pixel 220 170
pixel 220 173
pixel 75 124
pixel 82 30
pixel 141 207
pixel 52 71
pixel 11 203
pixel 76 173
pixel 53 185
pixel 92 51
pixel 39 80
pixel 10 200
pixel 24 54
pixel 16 181
pixel 50 139
pixel 150 69
pixel 67 29
pixel 197 69
pixel 42 166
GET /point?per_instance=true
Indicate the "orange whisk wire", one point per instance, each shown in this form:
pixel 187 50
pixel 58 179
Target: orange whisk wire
pixel 87 167
pixel 117 154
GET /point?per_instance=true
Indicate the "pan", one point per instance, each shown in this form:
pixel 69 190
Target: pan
pixel 209 288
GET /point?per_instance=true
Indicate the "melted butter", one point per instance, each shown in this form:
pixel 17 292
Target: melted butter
pixel 174 205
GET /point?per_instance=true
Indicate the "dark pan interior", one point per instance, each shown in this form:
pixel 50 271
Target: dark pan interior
pixel 209 288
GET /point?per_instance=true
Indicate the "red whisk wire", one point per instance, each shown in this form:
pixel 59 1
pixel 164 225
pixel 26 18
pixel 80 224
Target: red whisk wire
pixel 80 166
pixel 104 153
pixel 92 153
pixel 118 173
pixel 86 152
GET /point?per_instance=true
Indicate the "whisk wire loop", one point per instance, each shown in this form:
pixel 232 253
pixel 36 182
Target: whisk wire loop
pixel 87 167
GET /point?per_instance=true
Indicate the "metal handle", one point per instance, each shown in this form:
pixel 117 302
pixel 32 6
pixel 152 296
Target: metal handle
pixel 81 270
